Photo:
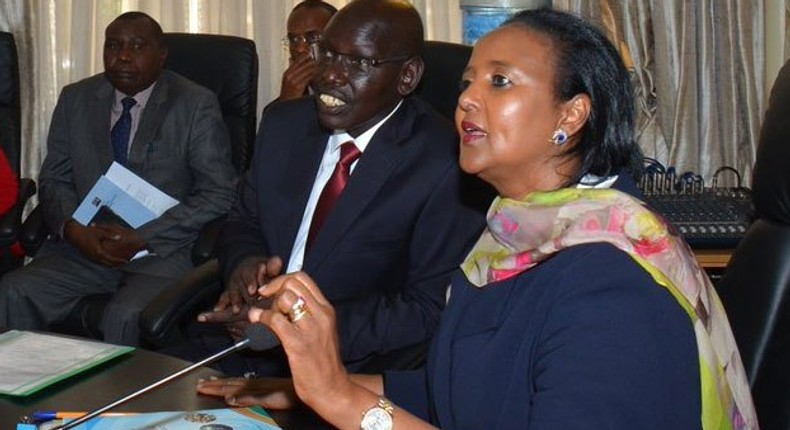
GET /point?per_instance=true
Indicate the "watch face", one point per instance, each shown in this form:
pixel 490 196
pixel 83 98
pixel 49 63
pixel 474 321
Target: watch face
pixel 377 419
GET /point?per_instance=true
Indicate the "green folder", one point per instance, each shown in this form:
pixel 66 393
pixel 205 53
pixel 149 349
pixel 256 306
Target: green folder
pixel 31 361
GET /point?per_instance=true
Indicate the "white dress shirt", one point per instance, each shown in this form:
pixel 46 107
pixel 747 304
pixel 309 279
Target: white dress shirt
pixel 328 162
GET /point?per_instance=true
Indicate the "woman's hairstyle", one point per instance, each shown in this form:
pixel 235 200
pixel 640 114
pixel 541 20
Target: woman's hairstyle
pixel 586 62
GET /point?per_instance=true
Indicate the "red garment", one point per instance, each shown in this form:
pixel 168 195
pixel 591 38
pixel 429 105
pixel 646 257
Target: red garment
pixel 9 188
pixel 331 192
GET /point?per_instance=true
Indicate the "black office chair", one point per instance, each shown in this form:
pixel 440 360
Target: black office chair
pixel 227 65
pixel 11 141
pixel 755 288
pixel 164 320
pixel 440 84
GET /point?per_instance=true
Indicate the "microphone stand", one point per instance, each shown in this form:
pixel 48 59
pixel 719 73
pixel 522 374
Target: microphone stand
pixel 240 345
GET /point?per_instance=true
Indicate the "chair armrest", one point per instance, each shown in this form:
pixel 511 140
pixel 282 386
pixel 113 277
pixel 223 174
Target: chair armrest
pixel 34 231
pixel 10 223
pixel 162 320
pixel 203 250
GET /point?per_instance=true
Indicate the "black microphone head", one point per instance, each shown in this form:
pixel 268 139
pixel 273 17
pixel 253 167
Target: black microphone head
pixel 261 337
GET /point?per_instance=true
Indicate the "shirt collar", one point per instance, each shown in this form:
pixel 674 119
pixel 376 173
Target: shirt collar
pixel 593 181
pixel 340 137
pixel 141 97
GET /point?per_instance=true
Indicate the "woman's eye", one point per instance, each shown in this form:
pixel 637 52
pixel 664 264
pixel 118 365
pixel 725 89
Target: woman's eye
pixel 464 84
pixel 500 81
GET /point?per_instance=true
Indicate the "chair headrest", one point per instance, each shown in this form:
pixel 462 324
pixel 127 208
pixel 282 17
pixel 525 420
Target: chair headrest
pixel 771 184
pixel 227 65
pixel 10 128
pixel 444 64
pixel 8 69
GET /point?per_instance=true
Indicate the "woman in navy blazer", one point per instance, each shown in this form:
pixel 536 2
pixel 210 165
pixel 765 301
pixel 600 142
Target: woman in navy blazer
pixel 577 308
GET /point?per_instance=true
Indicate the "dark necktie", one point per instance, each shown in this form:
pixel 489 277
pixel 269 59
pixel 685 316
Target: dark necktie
pixel 119 135
pixel 348 154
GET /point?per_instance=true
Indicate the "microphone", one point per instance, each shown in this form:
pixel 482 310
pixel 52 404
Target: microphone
pixel 259 338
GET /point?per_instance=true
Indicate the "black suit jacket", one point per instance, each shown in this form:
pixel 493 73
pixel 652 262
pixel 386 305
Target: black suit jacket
pixel 386 251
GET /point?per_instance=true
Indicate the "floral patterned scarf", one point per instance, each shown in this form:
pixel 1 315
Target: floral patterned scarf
pixel 523 233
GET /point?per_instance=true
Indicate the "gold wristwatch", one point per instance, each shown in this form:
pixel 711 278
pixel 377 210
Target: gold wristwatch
pixel 378 417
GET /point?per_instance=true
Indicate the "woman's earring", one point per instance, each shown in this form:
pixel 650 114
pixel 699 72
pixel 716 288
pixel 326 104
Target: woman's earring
pixel 559 137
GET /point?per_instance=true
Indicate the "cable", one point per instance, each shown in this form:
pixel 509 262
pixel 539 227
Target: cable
pixel 726 169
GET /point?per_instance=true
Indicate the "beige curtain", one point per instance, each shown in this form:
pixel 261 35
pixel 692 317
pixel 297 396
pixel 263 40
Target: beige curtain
pixel 697 65
pixel 60 42
pixel 699 70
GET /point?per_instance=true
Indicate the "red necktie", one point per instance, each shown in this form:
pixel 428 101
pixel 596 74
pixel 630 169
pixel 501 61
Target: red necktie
pixel 348 154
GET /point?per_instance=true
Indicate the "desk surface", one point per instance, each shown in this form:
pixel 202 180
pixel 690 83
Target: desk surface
pixel 117 378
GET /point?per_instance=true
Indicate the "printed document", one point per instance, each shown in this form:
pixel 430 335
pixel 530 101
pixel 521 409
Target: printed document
pixel 125 194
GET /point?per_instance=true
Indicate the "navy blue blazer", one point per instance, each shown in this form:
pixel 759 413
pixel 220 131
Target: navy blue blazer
pixel 386 252
pixel 585 340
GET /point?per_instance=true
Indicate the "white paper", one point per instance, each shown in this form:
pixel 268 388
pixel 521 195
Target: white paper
pixel 129 196
pixel 150 196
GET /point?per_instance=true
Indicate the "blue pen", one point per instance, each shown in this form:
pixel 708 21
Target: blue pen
pixel 44 416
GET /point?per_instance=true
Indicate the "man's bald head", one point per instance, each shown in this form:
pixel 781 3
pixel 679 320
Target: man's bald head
pixel 370 59
pixel 395 22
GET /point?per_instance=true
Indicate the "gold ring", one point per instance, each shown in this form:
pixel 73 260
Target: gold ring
pixel 298 310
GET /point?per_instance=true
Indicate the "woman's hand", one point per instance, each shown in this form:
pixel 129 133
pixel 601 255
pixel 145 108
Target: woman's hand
pixel 271 393
pixel 304 321
pixel 309 338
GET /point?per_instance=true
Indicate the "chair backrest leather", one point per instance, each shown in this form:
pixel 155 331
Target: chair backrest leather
pixel 227 65
pixel 440 84
pixel 10 113
pixel 755 288
pixel 771 182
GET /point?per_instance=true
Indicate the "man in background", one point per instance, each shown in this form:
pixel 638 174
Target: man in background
pixel 161 126
pixel 305 26
pixel 384 246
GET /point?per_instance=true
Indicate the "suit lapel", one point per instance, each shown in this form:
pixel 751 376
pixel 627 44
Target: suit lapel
pixel 384 152
pixel 153 115
pixel 98 114
pixel 297 182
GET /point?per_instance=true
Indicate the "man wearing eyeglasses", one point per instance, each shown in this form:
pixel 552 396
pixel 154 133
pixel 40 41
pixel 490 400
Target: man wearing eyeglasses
pixel 305 25
pixel 384 251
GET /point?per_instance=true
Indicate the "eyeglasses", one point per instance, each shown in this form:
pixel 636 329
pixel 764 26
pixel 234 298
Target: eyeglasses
pixel 293 40
pixel 355 63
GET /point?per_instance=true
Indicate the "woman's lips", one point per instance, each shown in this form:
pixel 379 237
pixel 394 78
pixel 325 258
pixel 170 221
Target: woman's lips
pixel 471 132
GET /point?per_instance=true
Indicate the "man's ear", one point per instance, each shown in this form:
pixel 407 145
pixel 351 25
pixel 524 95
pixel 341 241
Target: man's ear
pixel 163 55
pixel 574 114
pixel 410 75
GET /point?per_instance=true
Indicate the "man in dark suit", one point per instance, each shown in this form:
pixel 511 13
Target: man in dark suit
pixel 384 253
pixel 161 126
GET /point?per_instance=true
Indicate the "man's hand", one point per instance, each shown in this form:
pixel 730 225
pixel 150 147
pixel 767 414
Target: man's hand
pixel 92 241
pixel 297 76
pixel 241 293
pixel 128 242
pixel 235 323
pixel 272 393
